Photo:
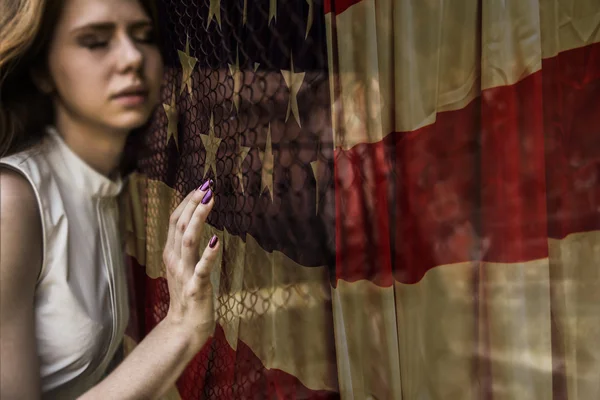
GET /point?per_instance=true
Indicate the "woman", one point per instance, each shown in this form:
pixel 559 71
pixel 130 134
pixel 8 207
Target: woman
pixel 77 78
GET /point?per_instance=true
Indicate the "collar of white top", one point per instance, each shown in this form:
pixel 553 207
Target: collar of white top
pixel 78 172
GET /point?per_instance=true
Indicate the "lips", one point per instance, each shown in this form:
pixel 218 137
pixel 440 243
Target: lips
pixel 132 92
pixel 132 96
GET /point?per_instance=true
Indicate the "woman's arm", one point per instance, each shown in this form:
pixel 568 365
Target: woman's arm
pixel 159 359
pixel 153 366
pixel 20 264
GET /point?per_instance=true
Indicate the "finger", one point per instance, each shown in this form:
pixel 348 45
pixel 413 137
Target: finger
pixel 184 219
pixel 191 236
pixel 206 264
pixel 175 217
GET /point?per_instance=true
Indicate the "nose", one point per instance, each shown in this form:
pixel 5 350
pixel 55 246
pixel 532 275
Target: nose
pixel 130 58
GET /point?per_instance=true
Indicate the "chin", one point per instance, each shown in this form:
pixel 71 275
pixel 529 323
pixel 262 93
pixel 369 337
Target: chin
pixel 132 120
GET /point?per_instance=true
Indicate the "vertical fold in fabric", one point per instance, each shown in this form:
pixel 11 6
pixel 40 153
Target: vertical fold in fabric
pixel 366 341
pixel 515 341
pixel 575 269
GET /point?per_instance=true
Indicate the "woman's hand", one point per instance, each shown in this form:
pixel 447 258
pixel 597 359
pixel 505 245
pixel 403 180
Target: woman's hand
pixel 161 357
pixel 191 306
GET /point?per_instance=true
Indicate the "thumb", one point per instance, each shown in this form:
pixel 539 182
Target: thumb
pixel 206 264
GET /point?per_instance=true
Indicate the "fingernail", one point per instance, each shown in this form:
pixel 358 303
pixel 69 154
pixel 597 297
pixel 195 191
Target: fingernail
pixel 207 197
pixel 206 185
pixel 213 242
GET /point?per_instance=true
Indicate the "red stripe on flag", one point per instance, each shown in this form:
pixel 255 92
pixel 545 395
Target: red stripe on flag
pixel 571 96
pixel 512 171
pixel 492 180
pixel 339 6
pixel 218 371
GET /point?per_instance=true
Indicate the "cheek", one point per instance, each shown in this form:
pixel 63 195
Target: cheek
pixel 154 73
pixel 76 77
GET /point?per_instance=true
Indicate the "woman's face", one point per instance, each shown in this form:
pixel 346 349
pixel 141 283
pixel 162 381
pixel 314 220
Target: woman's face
pixel 105 67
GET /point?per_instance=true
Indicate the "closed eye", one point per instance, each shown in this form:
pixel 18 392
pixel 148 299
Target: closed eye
pixel 98 35
pixel 146 36
pixel 92 42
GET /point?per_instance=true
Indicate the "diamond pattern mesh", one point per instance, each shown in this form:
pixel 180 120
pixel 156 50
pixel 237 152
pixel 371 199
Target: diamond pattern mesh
pixel 254 109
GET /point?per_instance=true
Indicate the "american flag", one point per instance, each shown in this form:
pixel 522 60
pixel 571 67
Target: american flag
pixel 407 196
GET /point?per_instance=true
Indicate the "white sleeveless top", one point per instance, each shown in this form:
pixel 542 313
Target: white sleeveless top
pixel 81 304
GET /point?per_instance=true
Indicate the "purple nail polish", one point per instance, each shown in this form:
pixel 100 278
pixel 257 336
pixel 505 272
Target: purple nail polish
pixel 207 197
pixel 213 242
pixel 205 185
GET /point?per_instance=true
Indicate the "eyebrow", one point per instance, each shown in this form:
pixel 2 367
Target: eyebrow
pixel 110 26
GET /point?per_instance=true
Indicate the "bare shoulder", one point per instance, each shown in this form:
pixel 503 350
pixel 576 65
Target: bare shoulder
pixel 20 229
pixel 20 263
pixel 16 189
